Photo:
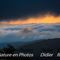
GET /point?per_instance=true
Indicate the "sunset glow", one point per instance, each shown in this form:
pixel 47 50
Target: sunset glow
pixel 38 20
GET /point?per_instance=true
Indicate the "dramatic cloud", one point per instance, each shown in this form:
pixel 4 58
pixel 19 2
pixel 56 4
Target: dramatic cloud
pixel 23 8
pixel 30 20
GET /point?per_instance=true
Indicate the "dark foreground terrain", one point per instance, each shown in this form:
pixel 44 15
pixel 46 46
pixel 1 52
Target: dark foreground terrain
pixel 37 47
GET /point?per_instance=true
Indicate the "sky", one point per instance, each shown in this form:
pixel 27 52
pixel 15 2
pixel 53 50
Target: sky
pixel 29 11
pixel 13 13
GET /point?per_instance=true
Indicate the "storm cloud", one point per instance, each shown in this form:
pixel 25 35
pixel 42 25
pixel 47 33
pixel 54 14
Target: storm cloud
pixel 24 8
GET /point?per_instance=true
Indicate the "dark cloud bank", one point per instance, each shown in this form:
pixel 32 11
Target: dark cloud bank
pixel 23 8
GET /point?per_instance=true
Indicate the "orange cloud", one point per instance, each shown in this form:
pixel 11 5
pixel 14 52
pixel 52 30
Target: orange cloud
pixel 39 19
